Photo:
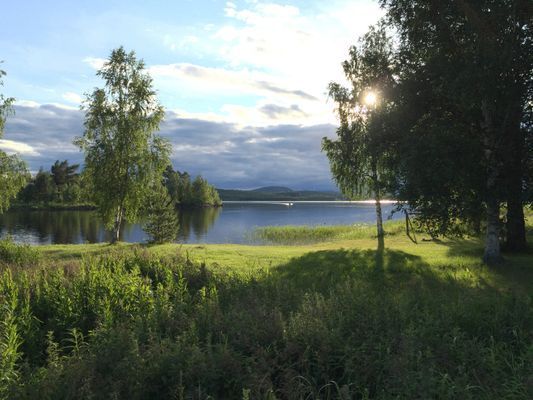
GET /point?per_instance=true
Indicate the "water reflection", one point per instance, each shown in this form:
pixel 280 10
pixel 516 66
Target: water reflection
pixel 197 221
pixel 52 226
pixel 231 224
pixel 61 227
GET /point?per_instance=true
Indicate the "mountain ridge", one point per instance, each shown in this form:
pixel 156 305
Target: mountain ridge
pixel 277 193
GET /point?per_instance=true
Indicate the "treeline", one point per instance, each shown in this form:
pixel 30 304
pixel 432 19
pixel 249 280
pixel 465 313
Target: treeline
pixel 185 192
pixel 63 186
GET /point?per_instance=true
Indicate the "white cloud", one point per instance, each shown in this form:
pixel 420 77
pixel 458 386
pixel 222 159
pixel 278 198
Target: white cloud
pixel 305 50
pixel 72 97
pixel 94 62
pixel 263 57
pixel 264 140
pixel 11 147
pixel 27 103
pixel 282 55
pixel 276 102
pixel 220 79
pixel 226 154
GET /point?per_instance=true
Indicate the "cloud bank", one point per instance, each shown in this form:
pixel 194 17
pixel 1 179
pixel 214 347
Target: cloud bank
pixel 226 154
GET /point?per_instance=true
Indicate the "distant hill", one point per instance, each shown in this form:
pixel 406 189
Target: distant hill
pixel 273 189
pixel 277 193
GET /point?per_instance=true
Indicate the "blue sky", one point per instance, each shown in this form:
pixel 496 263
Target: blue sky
pixel 243 82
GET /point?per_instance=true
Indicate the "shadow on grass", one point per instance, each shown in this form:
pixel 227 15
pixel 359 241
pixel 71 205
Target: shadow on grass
pixel 464 247
pixel 382 268
pixel 516 270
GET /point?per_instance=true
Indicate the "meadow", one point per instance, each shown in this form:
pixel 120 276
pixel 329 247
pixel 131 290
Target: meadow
pixel 320 313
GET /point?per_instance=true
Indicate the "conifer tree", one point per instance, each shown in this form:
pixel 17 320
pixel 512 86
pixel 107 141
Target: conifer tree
pixel 162 219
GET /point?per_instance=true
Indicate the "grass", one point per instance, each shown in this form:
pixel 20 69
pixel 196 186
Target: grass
pixel 298 241
pixel 323 314
pixel 298 235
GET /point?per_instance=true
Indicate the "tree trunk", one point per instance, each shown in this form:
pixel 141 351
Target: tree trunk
pixel 379 215
pixel 379 222
pixel 492 253
pixel 116 226
pixel 379 219
pixel 492 242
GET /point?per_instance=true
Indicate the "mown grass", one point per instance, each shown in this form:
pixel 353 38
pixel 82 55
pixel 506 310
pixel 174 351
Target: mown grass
pixel 334 319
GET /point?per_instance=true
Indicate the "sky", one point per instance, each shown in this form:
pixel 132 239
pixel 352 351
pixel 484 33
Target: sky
pixel 243 83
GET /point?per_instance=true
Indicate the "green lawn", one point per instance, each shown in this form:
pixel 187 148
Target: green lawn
pixel 450 255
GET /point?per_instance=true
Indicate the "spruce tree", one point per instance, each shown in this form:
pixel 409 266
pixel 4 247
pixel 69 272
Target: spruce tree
pixel 162 219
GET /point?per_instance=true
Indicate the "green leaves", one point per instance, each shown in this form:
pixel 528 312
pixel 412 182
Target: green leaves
pixel 123 156
pixel 13 177
pixel 13 173
pixel 5 105
pixel 357 156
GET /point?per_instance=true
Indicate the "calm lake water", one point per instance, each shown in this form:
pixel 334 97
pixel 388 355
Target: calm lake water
pixel 233 223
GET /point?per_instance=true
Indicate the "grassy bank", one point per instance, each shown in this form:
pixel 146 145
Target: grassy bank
pixel 328 318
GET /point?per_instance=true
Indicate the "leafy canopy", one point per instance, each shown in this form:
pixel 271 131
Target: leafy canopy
pixel 358 155
pixel 13 173
pixel 123 156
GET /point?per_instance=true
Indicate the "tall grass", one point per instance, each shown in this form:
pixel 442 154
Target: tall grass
pixel 298 235
pixel 14 254
pixel 328 325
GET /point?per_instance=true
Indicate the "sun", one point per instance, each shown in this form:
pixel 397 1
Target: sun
pixel 370 99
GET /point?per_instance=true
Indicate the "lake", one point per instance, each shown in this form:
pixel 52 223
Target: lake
pixel 232 223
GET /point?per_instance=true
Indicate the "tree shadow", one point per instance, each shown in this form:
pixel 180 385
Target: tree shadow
pixel 323 270
pixel 461 247
pixel 516 270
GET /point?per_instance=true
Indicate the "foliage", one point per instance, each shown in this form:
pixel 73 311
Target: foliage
pixel 15 254
pixel 161 216
pixel 13 177
pixel 62 173
pixel 359 157
pixel 184 193
pixel 123 157
pixel 5 105
pixel 62 185
pixel 10 339
pixel 464 87
pixel 204 193
pixel 326 324
pixel 13 173
pixel 359 153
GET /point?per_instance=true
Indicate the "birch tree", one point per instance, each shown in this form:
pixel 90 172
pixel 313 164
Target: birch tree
pixel 358 155
pixel 123 155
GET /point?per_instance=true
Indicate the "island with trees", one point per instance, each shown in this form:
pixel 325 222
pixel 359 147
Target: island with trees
pixel 64 187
